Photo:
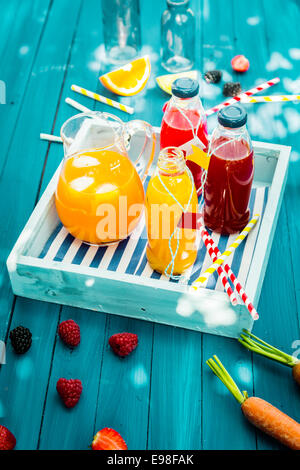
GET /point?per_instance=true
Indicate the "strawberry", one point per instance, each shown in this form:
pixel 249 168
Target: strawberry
pixel 69 391
pixel 108 439
pixel 7 439
pixel 240 63
pixel 123 343
pixel 69 332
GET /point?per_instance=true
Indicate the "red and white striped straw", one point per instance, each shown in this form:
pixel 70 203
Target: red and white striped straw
pixel 213 250
pixel 243 95
pixel 221 273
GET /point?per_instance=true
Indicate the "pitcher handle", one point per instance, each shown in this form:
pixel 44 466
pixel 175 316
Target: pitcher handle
pixel 149 143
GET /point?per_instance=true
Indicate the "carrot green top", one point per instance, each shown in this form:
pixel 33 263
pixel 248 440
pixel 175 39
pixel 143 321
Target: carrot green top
pixel 257 345
pixel 220 371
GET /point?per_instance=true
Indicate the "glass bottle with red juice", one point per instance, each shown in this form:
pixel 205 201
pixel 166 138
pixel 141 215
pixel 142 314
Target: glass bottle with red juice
pixel 184 121
pixel 230 173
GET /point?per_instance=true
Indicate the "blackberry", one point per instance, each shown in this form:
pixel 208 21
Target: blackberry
pixel 232 89
pixel 213 76
pixel 20 339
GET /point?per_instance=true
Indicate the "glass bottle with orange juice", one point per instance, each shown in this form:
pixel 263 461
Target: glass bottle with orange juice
pixel 100 195
pixel 171 250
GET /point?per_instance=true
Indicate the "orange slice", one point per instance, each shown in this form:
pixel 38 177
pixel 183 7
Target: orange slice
pixel 129 79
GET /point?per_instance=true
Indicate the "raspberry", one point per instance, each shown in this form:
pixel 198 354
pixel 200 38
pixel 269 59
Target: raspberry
pixel 123 343
pixel 232 89
pixel 108 439
pixel 69 391
pixel 20 339
pixel 240 63
pixel 69 332
pixel 213 76
pixel 7 439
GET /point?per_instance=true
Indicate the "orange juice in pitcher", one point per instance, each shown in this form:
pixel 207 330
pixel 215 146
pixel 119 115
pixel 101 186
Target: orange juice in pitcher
pixel 95 196
pixel 100 195
pixel 171 250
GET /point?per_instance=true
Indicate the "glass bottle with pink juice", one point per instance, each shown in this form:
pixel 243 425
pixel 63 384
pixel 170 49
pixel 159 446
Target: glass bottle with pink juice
pixel 230 173
pixel 184 123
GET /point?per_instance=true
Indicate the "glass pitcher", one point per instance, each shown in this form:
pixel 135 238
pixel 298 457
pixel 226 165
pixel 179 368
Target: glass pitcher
pixel 100 196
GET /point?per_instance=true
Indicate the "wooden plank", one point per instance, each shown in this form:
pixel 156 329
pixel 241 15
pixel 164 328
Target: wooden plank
pixel 123 399
pixel 223 426
pixel 17 58
pixel 277 307
pixel 8 13
pixel 176 390
pixel 27 154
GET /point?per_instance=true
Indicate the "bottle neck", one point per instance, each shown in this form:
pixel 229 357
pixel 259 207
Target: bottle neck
pixel 178 4
pixel 230 143
pixel 233 132
pixel 186 103
pixel 171 161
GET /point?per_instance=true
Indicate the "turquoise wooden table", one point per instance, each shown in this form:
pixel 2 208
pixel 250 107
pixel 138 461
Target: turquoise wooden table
pixel 163 396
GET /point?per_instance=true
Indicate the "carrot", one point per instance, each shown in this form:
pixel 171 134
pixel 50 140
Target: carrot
pixel 272 421
pixel 257 345
pixel 296 372
pixel 259 412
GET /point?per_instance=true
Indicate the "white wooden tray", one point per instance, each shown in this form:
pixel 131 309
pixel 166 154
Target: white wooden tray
pixel 48 264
